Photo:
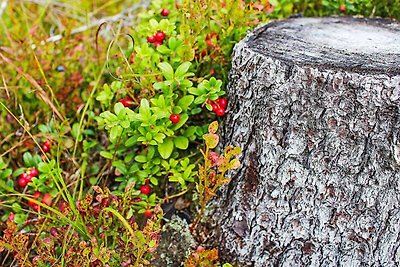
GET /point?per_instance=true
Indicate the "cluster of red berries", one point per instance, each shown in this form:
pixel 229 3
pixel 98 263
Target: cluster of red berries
pixel 46 199
pixel 158 38
pixel 218 106
pixel 46 146
pixel 175 118
pixel 146 189
pixel 26 177
pixel 212 45
pixel 209 38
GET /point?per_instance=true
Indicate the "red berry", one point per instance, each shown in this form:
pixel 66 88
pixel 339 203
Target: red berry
pixel 24 175
pixel 175 118
pixel 213 104
pixel 151 39
pixel 22 182
pixel 35 207
pixel 160 36
pixel 157 44
pixel 342 8
pixel 46 146
pixel 34 172
pixel 222 102
pixel 165 12
pixel 220 112
pixel 127 101
pixel 145 189
pixel 47 199
pixel 209 43
pixel 36 195
pixel 148 213
pixel 47 143
pixel 29 178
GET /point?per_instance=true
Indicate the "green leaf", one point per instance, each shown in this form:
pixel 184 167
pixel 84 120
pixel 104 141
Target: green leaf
pixel 181 142
pixel 6 173
pixel 153 180
pixel 165 149
pixel 118 107
pixel 190 131
pixel 106 154
pixel 185 101
pixel 20 218
pixel 28 159
pixel 177 110
pixel 141 158
pixel 163 49
pixel 16 207
pixel 44 129
pixel 182 69
pixel 200 100
pixel 144 107
pixel 153 24
pixel 159 137
pixel 197 91
pixel 150 152
pixel 167 70
pixel 125 124
pixel 131 141
pixel 115 132
pixel 195 111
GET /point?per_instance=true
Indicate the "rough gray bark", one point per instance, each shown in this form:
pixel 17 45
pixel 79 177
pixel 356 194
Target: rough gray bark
pixel 314 104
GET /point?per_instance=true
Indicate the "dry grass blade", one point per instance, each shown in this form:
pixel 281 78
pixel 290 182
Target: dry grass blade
pixel 43 95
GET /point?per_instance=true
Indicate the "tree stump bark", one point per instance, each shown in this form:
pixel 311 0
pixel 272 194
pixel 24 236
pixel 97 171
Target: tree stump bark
pixel 314 105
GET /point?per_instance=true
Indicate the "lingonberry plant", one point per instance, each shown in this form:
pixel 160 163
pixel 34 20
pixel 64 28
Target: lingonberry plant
pixel 211 175
pixel 109 235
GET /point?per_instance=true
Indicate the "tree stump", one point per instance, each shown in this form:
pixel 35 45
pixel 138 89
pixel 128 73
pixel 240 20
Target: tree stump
pixel 314 105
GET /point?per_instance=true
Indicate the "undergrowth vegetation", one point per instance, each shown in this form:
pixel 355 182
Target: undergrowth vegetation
pixel 102 123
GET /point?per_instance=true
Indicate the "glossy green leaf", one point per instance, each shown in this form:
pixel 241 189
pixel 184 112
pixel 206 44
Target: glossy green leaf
pixel 106 154
pixel 185 101
pixel 182 69
pixel 165 149
pixel 181 142
pixel 167 70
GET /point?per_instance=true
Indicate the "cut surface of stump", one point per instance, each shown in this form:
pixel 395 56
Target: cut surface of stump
pixel 314 105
